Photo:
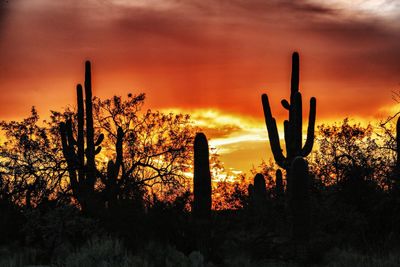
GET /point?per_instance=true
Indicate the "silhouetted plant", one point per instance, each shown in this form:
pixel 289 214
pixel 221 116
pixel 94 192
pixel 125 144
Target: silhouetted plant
pixel 30 164
pixel 292 126
pixel 201 178
pixel 258 193
pixel 155 147
pixel 294 147
pixel 82 173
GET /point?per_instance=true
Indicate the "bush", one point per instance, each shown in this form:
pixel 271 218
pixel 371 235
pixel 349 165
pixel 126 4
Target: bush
pixel 24 257
pixel 345 258
pixel 110 252
pixel 102 252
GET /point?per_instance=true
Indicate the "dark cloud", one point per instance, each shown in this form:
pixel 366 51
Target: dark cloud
pixel 201 53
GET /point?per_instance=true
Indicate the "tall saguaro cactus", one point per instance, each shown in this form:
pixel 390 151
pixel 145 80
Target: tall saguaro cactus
pixel 202 178
pixel 82 173
pixel 294 162
pixel 292 126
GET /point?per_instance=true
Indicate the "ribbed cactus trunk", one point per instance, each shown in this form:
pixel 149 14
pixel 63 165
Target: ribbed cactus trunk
pixel 201 178
pixel 202 195
pixel 83 175
pixel 299 203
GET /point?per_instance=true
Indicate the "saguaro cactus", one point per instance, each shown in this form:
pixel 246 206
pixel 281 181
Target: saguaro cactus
pixel 202 178
pixel 293 126
pixel 294 163
pixel 82 174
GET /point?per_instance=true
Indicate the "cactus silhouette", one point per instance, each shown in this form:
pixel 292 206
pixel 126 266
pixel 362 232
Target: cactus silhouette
pixel 82 174
pixel 259 191
pixel 292 126
pixel 294 162
pixel 201 178
pixel 111 179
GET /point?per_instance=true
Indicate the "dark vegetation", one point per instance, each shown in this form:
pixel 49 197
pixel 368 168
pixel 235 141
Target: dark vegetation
pixel 107 185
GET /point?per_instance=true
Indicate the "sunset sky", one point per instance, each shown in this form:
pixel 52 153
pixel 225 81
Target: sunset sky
pixel 211 59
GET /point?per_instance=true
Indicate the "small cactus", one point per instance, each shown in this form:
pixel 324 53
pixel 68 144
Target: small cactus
pixel 259 192
pixel 201 178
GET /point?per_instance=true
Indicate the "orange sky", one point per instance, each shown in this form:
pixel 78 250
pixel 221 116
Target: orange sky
pixel 212 59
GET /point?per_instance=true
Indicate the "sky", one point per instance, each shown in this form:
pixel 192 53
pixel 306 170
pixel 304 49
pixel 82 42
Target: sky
pixel 211 59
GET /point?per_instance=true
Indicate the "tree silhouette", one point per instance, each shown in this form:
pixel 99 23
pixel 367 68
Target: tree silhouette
pixel 31 164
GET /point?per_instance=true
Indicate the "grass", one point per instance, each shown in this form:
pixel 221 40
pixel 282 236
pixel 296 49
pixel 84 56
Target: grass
pixel 107 251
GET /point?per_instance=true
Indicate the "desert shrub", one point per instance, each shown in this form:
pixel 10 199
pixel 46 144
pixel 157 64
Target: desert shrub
pixel 17 257
pixel 55 230
pixel 156 254
pixel 100 251
pixel 109 251
pixel 345 258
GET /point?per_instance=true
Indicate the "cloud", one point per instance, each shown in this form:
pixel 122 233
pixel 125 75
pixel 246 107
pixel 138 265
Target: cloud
pixel 200 54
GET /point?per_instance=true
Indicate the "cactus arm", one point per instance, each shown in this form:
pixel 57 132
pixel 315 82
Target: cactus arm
pixel 272 132
pixel 64 142
pixel 99 140
pixel 97 150
pixel 311 128
pixel 66 149
pixel 285 104
pixel 70 138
